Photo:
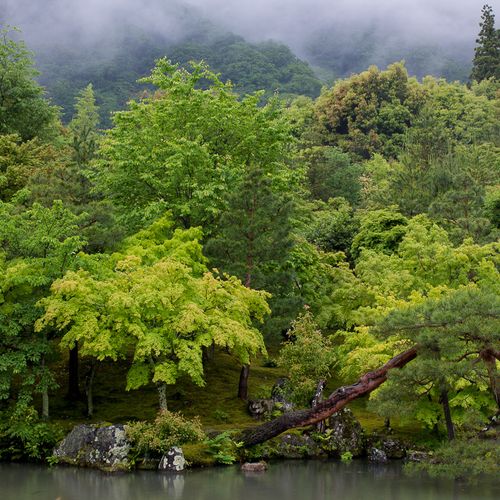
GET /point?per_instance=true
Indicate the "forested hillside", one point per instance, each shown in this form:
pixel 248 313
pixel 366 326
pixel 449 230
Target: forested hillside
pixel 218 235
pixel 114 59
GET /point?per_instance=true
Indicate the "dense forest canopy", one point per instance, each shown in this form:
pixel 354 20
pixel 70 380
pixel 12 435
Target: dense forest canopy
pixel 231 208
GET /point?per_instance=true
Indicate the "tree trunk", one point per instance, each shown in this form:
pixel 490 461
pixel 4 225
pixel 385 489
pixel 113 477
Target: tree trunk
pixel 73 375
pixel 89 380
pixel 447 414
pixel 162 393
pixel 243 384
pixel 45 404
pixel 335 402
pixel 45 394
pixel 489 356
pixel 318 398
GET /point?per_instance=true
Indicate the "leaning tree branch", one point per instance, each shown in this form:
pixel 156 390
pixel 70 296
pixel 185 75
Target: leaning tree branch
pixel 335 402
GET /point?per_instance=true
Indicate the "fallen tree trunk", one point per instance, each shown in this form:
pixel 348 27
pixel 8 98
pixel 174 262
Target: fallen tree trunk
pixel 335 402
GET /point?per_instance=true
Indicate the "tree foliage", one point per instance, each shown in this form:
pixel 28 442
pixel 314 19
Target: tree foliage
pixel 370 112
pixel 37 246
pixel 308 357
pixel 486 62
pixel 23 109
pixel 157 299
pixel 183 147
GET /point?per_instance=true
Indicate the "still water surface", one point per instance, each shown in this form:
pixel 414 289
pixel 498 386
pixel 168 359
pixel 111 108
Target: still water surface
pixel 293 480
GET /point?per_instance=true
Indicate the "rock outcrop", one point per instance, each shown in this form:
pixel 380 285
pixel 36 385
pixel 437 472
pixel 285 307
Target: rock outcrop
pixel 297 446
pixel 281 394
pixel 254 467
pixel 377 455
pixel 260 408
pixel 100 447
pixel 173 460
pixel 344 434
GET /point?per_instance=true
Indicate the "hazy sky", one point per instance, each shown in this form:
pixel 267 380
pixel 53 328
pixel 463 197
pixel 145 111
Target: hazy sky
pixel 293 20
pixel 290 21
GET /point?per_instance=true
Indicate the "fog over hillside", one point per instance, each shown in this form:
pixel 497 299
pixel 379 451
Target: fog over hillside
pixel 295 22
pixel 77 41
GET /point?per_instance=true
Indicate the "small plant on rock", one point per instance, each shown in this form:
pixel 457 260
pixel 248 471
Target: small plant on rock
pixel 167 430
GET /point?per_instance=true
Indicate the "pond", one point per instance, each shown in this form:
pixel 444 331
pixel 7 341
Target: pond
pixel 290 480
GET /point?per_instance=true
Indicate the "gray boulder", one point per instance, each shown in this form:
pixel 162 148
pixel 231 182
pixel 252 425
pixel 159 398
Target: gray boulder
pixel 173 460
pixel 377 455
pixel 297 446
pixel 417 456
pixel 344 434
pixel 393 448
pixel 260 408
pixel 100 447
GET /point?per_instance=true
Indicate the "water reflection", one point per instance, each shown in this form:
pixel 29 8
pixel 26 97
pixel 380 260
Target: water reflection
pixel 294 480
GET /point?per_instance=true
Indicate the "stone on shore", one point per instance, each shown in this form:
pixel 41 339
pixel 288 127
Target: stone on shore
pixel 95 446
pixel 254 467
pixel 173 460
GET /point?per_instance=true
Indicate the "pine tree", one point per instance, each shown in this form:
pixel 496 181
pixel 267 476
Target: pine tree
pixel 83 127
pixel 486 62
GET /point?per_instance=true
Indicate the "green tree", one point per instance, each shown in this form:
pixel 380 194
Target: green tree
pixel 431 294
pixel 23 107
pixel 84 127
pixel 454 329
pixel 157 300
pixel 184 148
pixel 380 230
pixel 21 161
pixel 332 226
pixel 65 176
pixel 486 63
pixel 332 174
pixel 369 112
pixel 254 235
pixel 37 246
pixel 308 358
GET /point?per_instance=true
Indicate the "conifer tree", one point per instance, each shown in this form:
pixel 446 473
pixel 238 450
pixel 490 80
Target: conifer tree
pixel 83 127
pixel 486 62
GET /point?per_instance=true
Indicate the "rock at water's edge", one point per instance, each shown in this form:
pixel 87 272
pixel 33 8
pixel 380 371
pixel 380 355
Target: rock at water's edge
pixel 254 467
pixel 345 434
pixel 100 447
pixel 173 460
pixel 377 455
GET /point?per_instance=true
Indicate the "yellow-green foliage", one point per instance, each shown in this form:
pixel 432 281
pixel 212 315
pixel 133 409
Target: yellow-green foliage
pixel 157 299
pixel 167 430
pixel 307 357
pixel 428 292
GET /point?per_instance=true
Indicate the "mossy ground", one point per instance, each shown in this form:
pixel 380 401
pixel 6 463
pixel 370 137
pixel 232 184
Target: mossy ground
pixel 216 404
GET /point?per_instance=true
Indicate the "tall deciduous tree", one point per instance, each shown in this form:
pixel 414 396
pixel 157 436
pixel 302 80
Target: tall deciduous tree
pixel 370 112
pixel 184 147
pixel 37 246
pixel 23 107
pixel 156 299
pixel 486 63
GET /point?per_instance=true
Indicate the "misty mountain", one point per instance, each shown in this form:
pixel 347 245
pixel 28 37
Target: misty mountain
pixel 112 43
pixel 114 59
